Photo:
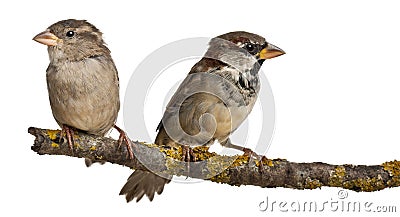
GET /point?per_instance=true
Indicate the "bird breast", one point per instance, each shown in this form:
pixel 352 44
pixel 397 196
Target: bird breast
pixel 84 94
pixel 241 88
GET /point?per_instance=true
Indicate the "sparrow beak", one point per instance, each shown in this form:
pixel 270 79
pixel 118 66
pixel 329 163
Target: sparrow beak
pixel 47 38
pixel 270 52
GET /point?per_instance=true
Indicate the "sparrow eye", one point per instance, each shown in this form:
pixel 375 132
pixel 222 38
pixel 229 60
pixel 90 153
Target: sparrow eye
pixel 250 47
pixel 70 34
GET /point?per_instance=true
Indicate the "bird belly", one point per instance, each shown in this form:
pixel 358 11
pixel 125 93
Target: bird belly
pixel 228 119
pixel 85 114
pixel 239 114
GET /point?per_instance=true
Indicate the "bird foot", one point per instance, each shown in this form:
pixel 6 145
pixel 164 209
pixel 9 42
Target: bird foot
pixel 123 138
pixel 260 158
pixel 188 156
pixel 69 134
pixel 250 153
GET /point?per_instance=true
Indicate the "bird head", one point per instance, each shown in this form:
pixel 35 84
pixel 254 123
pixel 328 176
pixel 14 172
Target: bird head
pixel 72 40
pixel 242 50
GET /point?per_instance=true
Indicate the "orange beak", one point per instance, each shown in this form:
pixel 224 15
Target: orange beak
pixel 271 51
pixel 47 38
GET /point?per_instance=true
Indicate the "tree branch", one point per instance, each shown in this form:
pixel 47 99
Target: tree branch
pixel 233 170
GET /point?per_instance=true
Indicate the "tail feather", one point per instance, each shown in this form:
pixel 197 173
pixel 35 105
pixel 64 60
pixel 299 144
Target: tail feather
pixel 142 183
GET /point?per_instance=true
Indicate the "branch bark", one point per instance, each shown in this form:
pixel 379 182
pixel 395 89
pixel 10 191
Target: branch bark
pixel 233 170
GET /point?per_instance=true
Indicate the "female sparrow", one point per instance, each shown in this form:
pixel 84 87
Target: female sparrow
pixel 82 79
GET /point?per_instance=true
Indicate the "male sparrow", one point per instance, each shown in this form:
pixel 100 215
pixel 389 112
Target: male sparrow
pixel 82 79
pixel 214 99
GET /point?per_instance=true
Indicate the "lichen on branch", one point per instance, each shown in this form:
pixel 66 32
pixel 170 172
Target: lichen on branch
pixel 233 170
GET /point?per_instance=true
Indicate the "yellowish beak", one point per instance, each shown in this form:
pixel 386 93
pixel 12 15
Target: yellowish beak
pixel 47 38
pixel 271 51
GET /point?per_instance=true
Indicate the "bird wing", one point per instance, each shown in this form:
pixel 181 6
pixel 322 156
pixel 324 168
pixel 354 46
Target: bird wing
pixel 200 110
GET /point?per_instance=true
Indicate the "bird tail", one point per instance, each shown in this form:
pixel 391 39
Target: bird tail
pixel 142 183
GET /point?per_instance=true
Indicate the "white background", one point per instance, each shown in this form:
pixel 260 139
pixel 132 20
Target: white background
pixel 336 95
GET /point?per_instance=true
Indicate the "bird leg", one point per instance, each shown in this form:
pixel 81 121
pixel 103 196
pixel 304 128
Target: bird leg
pixel 124 138
pixel 69 133
pixel 188 156
pixel 247 151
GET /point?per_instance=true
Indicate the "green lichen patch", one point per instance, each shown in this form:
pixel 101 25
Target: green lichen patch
pixel 337 176
pixel 201 153
pixel 265 162
pixel 52 134
pixel 312 183
pixel 221 177
pixel 77 145
pixel 365 184
pixel 218 166
pixel 240 160
pixel 393 168
pixel 98 157
pixel 55 145
pixel 172 152
pixel 150 145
